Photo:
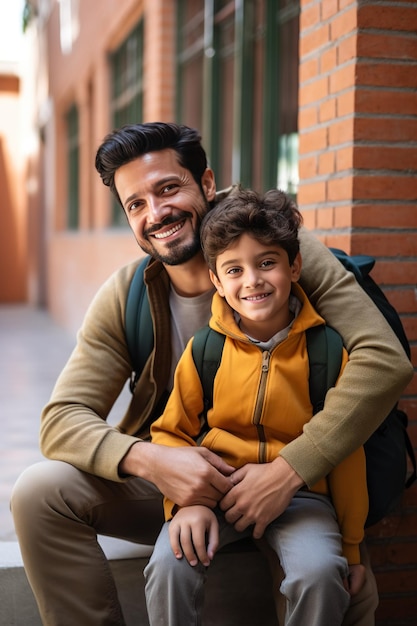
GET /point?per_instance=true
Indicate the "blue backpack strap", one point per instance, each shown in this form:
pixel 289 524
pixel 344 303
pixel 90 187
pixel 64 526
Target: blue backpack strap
pixel 138 323
pixel 324 348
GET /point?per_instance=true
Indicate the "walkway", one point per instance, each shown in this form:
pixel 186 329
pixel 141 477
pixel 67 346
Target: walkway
pixel 32 352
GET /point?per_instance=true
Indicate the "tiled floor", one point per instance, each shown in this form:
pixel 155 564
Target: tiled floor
pixel 32 352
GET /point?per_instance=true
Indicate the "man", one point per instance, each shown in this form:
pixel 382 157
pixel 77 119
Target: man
pixel 109 480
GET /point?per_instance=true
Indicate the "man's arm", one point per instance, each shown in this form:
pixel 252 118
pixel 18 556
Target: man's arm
pixel 373 380
pixel 73 423
pixel 74 427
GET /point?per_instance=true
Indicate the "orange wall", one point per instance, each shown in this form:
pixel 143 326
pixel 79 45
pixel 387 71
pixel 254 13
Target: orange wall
pixel 13 240
pixel 79 265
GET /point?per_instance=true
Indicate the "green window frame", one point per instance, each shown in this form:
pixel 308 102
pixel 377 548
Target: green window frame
pixel 247 106
pixel 126 67
pixel 73 162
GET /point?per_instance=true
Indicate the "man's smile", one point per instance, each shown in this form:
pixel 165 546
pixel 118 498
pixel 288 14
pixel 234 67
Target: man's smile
pixel 169 232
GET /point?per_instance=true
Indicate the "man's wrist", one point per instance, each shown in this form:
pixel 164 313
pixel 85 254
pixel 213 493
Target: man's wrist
pixel 136 460
pixel 294 480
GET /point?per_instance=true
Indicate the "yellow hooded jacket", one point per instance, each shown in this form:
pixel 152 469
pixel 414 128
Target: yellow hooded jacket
pixel 261 402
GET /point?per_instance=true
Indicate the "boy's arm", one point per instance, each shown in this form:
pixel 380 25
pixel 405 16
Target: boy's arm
pixel 179 426
pixel 349 493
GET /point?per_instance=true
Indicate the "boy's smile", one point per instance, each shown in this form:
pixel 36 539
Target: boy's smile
pixel 255 279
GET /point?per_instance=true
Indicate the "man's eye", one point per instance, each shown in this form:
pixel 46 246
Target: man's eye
pixel 169 188
pixel 135 206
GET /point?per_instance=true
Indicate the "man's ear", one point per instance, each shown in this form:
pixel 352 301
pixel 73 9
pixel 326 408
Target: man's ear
pixel 208 184
pixel 216 283
pixel 296 268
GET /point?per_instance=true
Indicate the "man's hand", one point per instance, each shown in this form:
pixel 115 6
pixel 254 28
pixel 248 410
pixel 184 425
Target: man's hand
pixel 190 530
pixel 185 475
pixel 260 494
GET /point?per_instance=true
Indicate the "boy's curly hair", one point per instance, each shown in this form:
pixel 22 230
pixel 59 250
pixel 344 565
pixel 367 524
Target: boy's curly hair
pixel 272 218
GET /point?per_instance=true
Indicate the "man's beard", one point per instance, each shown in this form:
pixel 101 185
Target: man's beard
pixel 175 253
pixel 179 253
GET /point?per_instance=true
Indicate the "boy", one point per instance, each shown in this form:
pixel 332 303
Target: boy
pixel 261 403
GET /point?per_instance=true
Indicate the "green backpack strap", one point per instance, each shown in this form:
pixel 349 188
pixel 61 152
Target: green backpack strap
pixel 324 347
pixel 207 351
pixel 138 323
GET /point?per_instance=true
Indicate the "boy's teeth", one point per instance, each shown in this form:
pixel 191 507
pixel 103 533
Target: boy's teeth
pixel 256 297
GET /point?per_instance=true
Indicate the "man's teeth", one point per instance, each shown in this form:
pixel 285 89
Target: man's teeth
pixel 169 232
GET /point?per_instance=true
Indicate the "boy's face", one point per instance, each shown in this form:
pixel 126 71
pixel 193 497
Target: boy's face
pixel 164 205
pixel 255 279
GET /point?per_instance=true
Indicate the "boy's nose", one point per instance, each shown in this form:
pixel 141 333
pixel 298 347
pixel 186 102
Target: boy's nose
pixel 253 278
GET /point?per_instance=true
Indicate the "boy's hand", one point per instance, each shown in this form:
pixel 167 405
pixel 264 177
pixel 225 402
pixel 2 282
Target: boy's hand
pixel 194 533
pixel 354 583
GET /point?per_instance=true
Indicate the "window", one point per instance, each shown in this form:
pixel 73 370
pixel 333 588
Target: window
pixel 288 28
pixel 73 157
pixel 127 92
pixel 238 84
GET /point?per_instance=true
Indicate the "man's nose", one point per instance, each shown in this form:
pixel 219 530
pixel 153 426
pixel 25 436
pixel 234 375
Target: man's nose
pixel 158 208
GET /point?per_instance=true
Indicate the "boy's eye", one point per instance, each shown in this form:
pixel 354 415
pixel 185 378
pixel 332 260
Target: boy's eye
pixel 233 270
pixel 267 263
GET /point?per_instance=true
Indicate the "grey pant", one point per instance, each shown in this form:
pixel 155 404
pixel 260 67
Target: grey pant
pixel 307 541
pixel 58 511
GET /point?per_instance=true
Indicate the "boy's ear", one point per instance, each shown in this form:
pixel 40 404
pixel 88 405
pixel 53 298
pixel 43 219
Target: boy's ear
pixel 296 268
pixel 216 283
pixel 208 184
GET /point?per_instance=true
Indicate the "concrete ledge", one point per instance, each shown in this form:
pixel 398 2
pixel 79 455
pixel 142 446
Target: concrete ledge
pixel 238 591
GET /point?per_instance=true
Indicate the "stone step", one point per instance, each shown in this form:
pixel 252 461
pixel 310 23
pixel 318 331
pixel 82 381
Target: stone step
pixel 238 591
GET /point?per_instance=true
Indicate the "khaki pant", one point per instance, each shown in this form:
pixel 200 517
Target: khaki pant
pixel 58 512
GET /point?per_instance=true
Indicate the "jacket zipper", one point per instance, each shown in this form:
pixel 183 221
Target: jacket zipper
pixel 266 356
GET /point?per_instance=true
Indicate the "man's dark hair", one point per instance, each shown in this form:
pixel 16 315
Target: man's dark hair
pixel 134 140
pixel 272 218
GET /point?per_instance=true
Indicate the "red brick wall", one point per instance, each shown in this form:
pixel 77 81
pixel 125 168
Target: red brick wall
pixel 358 189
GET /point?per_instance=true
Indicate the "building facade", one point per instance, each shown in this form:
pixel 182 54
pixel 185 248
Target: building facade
pixel 317 97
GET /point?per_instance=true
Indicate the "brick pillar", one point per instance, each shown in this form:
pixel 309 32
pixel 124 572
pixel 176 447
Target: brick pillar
pixel 358 190
pixel 159 60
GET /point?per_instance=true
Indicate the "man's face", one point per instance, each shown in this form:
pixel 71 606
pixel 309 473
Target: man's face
pixel 164 205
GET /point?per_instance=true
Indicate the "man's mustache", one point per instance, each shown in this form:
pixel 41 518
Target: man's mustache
pixel 170 219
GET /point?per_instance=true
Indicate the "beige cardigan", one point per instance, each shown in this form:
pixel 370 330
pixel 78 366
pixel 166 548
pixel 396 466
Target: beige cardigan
pixel 73 424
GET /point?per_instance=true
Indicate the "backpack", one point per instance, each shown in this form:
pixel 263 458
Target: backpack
pixel 388 447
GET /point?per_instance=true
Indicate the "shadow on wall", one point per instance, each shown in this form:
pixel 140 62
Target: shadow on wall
pixel 12 266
